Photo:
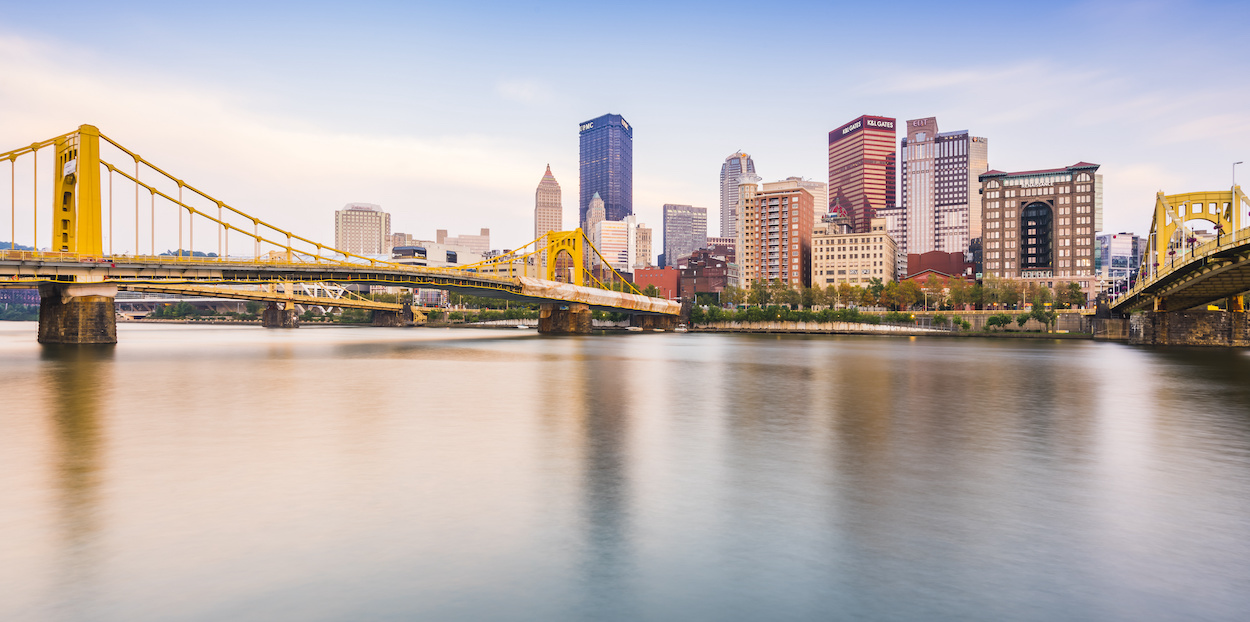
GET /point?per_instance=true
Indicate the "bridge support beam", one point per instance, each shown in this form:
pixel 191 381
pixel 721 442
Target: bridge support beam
pixel 1189 328
pixel 402 317
pixel 77 313
pixel 564 319
pixel 275 317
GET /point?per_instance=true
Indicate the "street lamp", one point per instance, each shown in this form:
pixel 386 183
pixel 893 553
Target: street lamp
pixel 1235 172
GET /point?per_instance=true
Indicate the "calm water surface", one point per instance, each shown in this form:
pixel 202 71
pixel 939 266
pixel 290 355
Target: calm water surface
pixel 230 473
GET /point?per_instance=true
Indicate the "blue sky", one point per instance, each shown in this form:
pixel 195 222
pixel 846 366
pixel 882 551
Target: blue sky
pixel 446 114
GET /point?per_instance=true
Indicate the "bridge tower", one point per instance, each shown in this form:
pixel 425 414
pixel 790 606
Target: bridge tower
pixel 78 312
pixel 76 220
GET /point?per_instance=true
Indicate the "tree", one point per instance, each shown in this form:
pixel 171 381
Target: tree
pixel 846 293
pixel 652 291
pixel 759 294
pixel 811 296
pixel 1072 295
pixel 958 292
pixel 1010 292
pixel 890 296
pixel 909 294
pixel 876 287
pixel 733 296
pixel 932 290
pixel 976 295
pixel 1041 296
pixel 789 296
pixel 992 291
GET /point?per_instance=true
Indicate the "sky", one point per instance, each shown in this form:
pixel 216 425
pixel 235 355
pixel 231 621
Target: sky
pixel 446 114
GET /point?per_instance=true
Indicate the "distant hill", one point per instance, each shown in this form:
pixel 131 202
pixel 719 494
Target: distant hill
pixel 4 246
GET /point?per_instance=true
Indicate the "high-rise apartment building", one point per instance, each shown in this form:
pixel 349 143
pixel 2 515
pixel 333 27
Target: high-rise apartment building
pixel 548 206
pixel 776 235
pixel 606 166
pixel 862 169
pixel 363 229
pixel 840 255
pixel 940 204
pixel 733 167
pixel 685 230
pixel 1040 225
pixel 642 245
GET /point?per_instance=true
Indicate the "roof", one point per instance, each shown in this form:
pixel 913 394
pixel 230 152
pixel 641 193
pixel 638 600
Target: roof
pixel 1042 171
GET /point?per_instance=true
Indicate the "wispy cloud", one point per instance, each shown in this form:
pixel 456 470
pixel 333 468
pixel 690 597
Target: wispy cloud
pixel 523 91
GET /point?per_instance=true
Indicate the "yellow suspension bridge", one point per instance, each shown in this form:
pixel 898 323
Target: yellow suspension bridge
pixel 80 273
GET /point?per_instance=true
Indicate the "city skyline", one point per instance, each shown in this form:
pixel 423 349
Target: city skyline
pixel 335 131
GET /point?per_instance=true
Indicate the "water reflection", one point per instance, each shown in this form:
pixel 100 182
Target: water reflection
pixel 408 474
pixel 78 380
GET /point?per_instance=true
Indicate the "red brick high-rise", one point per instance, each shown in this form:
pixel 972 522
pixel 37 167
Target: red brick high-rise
pixel 862 160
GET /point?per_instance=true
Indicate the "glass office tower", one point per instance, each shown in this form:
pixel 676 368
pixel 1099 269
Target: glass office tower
pixel 607 166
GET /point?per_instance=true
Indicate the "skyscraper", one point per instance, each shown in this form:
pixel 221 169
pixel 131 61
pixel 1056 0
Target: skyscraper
pixel 363 229
pixel 685 230
pixel 595 214
pixel 548 207
pixel 733 166
pixel 616 242
pixel 940 173
pixel 861 169
pixel 607 166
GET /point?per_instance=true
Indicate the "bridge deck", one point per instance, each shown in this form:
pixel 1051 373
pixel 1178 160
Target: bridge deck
pixel 27 269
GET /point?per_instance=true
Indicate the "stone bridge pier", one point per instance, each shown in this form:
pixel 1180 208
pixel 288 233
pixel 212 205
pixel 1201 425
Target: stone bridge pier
pixel 652 322
pixel 564 319
pixel 276 317
pixel 402 317
pixel 1190 328
pixel 80 313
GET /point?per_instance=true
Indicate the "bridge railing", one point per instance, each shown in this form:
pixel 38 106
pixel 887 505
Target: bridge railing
pixel 1183 258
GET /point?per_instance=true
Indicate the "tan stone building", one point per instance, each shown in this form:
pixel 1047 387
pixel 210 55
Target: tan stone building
pixel 839 255
pixel 642 245
pixel 548 206
pixel 1040 225
pixel 363 229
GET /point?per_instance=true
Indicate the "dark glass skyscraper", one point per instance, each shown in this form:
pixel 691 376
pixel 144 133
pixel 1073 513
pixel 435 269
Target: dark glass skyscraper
pixel 607 166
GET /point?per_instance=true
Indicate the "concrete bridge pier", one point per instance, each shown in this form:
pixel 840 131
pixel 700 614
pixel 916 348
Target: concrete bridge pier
pixel 652 322
pixel 77 313
pixel 274 317
pixel 564 319
pixel 402 317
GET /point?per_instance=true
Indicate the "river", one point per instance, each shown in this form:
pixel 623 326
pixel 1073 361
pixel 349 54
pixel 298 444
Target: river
pixel 337 473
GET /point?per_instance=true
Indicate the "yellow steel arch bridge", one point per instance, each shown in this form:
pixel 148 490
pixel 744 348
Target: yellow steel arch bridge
pixel 100 242
pixel 1180 269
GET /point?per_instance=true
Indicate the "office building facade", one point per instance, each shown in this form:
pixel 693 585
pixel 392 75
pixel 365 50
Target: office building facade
pixel 606 166
pixel 476 244
pixel 862 169
pixel 616 242
pixel 941 205
pixel 733 168
pixel 1118 260
pixel 363 229
pixel 642 245
pixel 1040 225
pixel 685 230
pixel 840 255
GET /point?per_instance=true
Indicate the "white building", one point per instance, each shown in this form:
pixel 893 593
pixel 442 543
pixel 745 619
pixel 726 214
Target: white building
pixel 734 166
pixel 617 242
